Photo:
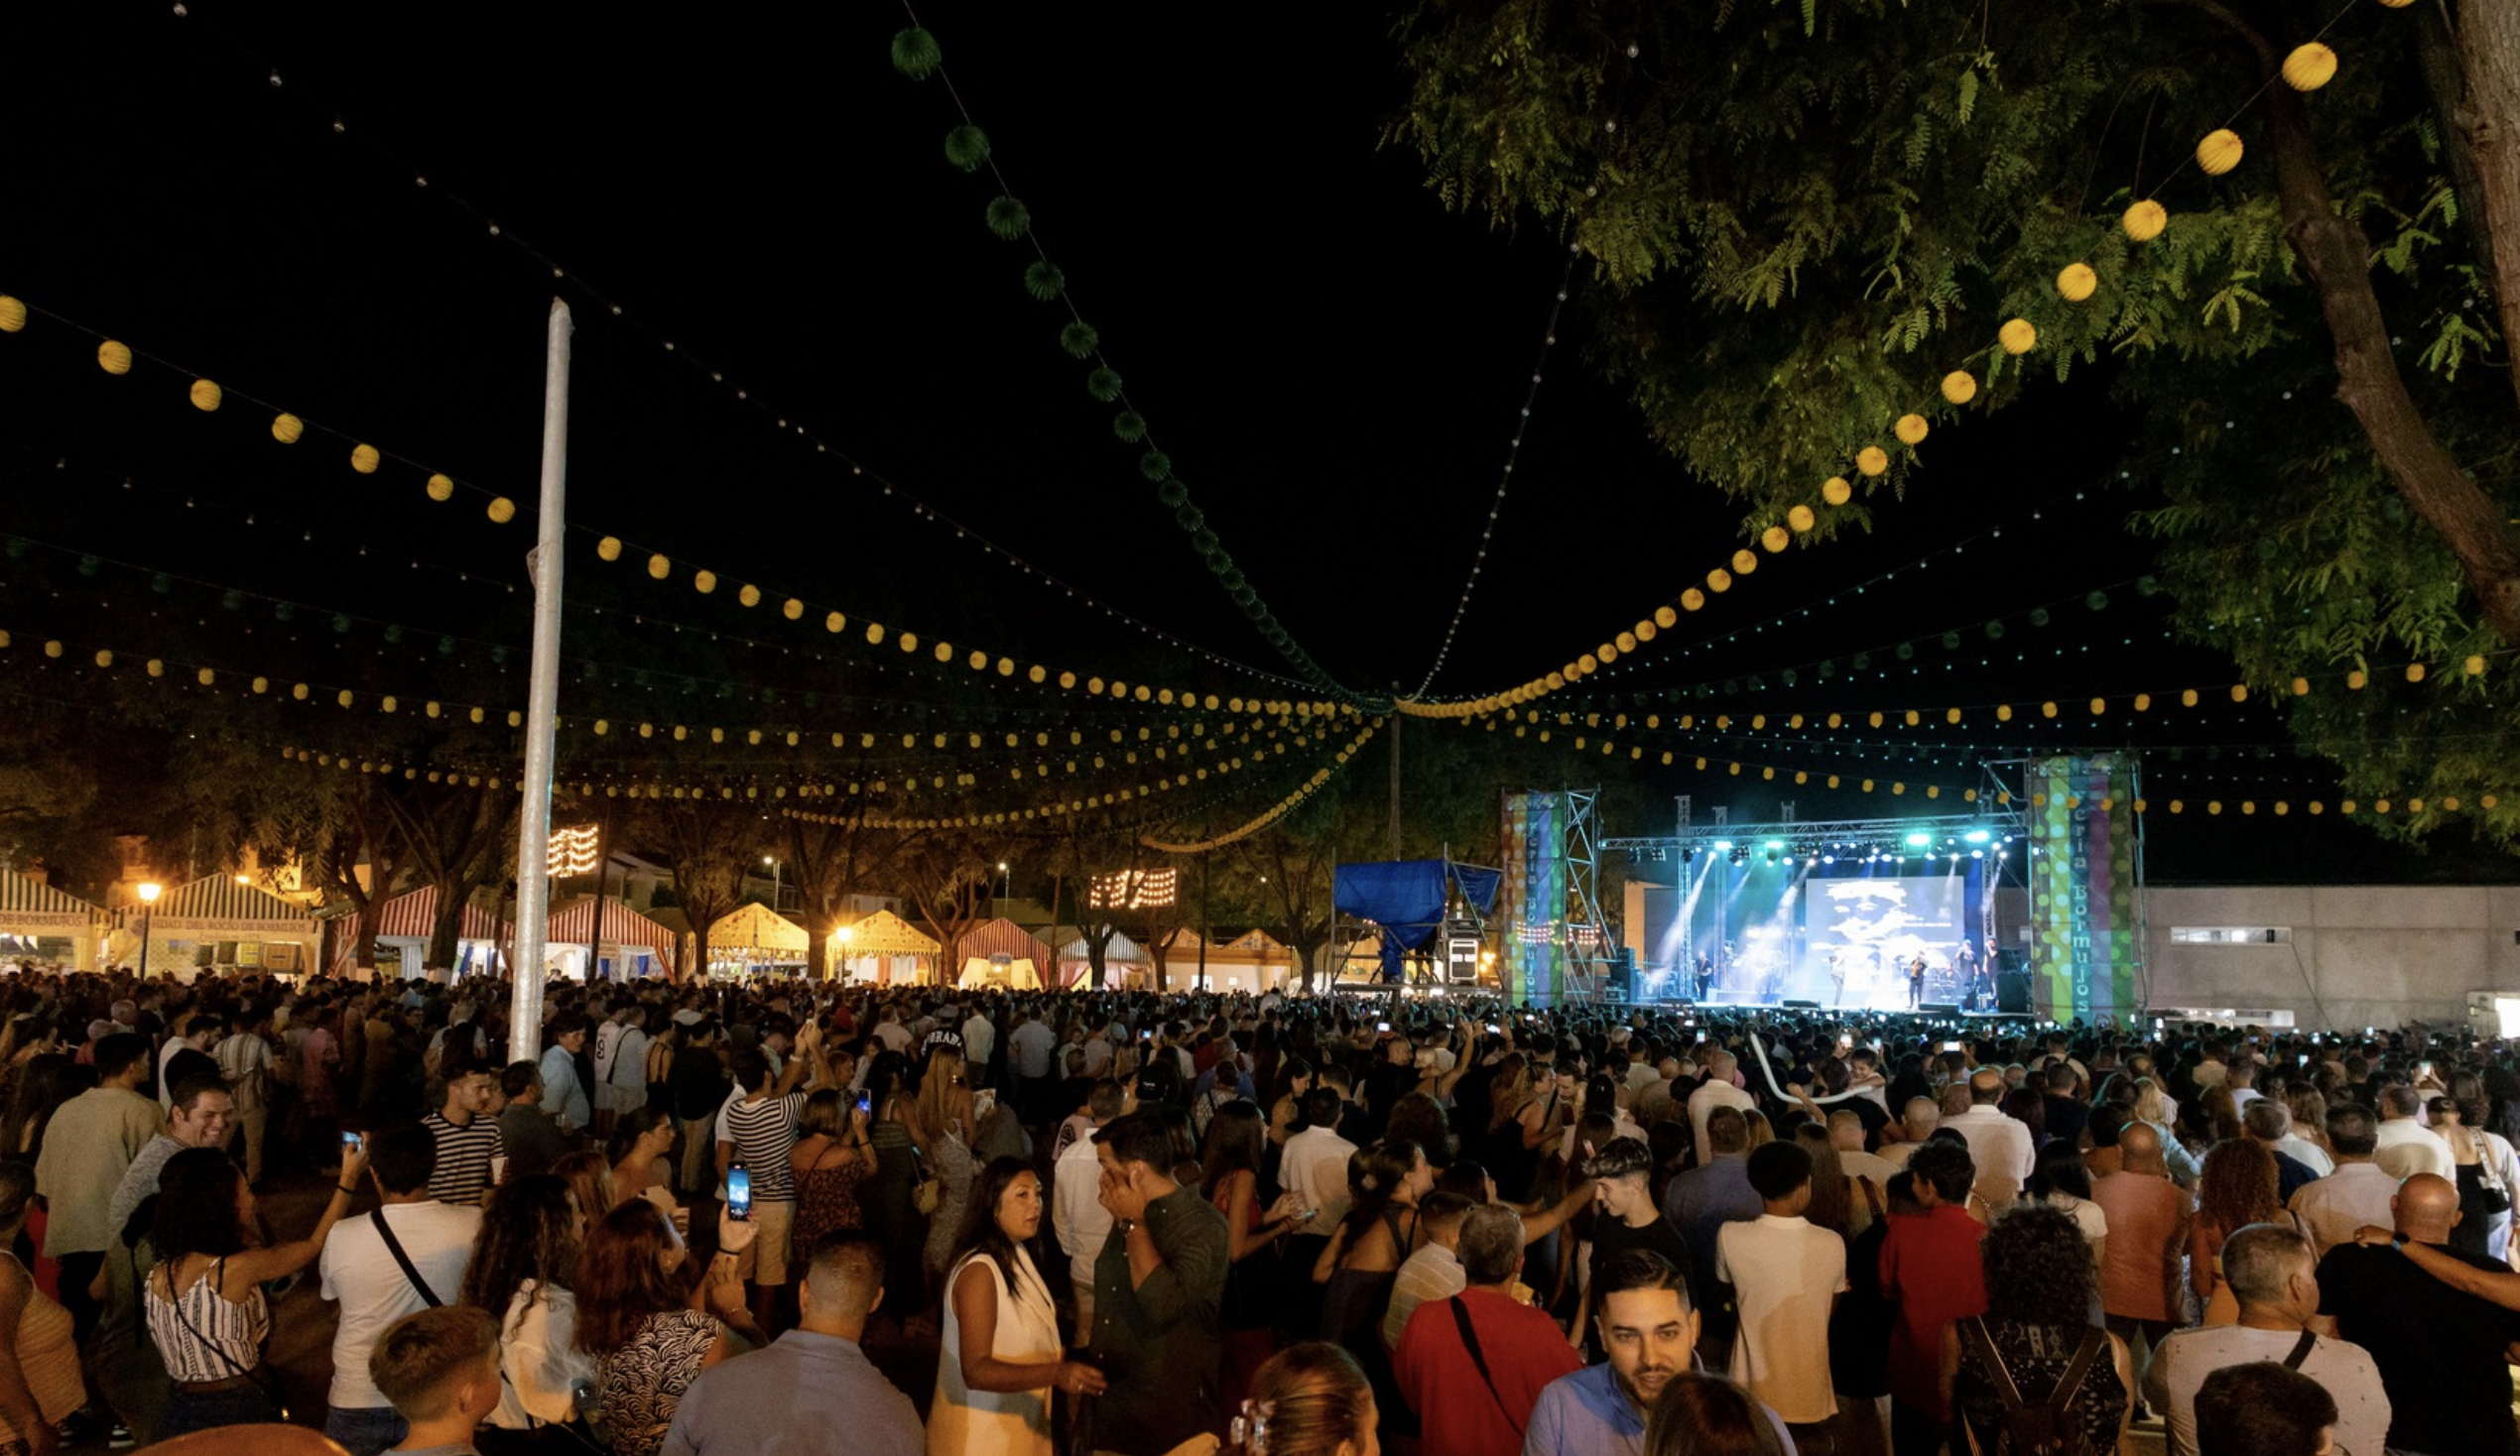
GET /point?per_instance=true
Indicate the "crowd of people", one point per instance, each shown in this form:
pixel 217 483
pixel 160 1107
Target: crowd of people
pixel 1285 1226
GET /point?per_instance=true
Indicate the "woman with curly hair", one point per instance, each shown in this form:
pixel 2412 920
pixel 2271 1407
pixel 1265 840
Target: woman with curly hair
pixel 1310 1399
pixel 523 1260
pixel 2035 1329
pixel 2238 1189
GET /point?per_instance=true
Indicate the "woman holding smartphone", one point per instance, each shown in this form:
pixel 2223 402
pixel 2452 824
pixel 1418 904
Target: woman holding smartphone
pixel 832 1156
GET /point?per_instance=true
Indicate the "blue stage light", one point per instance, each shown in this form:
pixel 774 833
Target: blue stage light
pixel 1920 840
pixel 1978 836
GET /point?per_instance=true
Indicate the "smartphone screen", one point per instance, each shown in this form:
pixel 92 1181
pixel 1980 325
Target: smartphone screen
pixel 349 1140
pixel 1950 1046
pixel 1382 1026
pixel 866 1102
pixel 740 1195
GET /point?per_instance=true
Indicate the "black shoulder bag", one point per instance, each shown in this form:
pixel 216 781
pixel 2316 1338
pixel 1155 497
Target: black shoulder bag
pixel 411 1271
pixel 1469 1337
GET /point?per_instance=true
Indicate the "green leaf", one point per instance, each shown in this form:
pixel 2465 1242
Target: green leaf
pixel 916 54
pixel 1155 465
pixel 1968 96
pixel 968 147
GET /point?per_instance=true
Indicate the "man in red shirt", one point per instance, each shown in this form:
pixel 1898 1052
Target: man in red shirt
pixel 1931 1271
pixel 1472 1365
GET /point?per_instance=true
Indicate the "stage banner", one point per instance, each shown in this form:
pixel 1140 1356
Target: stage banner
pixel 2082 886
pixel 1531 956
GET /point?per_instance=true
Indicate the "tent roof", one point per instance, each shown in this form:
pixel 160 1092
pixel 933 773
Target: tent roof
pixel 574 924
pixel 1121 951
pixel 219 902
pixel 24 904
pixel 413 916
pixel 886 933
pixel 1002 936
pixel 752 926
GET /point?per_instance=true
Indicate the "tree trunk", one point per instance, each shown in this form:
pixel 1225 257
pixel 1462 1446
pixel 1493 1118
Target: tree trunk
pixel 2337 256
pixel 2489 121
pixel 2446 78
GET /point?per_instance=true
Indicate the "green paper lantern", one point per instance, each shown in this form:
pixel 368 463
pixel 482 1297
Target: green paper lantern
pixel 1994 631
pixel 1103 384
pixel 17 547
pixel 1009 218
pixel 1129 426
pixel 499 655
pixel 1950 641
pixel 284 611
pixel 393 633
pixel 231 599
pixel 1232 577
pixel 1155 465
pixel 1190 517
pixel 1790 677
pixel 161 583
pixel 341 623
pixel 916 54
pixel 2096 601
pixel 1078 338
pixel 1864 662
pixel 1244 596
pixel 1204 541
pixel 1906 651
pixel 90 565
pixel 1044 280
pixel 1172 492
pixel 1827 667
pixel 968 147
pixel 2038 616
pixel 1218 564
pixel 2147 586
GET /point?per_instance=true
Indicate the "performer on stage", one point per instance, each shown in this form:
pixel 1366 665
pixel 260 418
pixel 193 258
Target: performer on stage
pixel 1916 981
pixel 1964 974
pixel 1837 978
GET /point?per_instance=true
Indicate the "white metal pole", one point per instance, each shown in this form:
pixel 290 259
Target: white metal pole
pixel 542 705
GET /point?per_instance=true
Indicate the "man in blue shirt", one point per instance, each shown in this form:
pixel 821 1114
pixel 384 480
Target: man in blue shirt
pixel 811 1392
pixel 1651 1332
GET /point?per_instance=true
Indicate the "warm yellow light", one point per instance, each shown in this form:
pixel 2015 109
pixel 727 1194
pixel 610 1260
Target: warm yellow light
pixel 244 879
pixel 149 891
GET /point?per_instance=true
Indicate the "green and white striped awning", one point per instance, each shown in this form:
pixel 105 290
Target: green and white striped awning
pixel 27 906
pixel 217 905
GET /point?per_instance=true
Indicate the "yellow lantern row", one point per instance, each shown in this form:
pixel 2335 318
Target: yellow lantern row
pixel 1271 814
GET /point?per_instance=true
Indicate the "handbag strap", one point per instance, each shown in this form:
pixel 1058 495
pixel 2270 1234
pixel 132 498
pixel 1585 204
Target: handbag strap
pixel 2300 1350
pixel 175 1304
pixel 394 1247
pixel 1470 1338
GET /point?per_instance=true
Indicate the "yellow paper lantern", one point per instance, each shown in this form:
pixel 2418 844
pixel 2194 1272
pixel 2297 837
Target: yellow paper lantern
pixel 2310 67
pixel 2145 220
pixel 2475 665
pixel 908 642
pixel 2355 679
pixel 1719 580
pixel 1690 600
pixel 2301 687
pixel 104 658
pixel 705 581
pixel 1801 518
pixel 12 315
pixel 609 548
pixel 288 429
pixel 501 510
pixel 114 357
pixel 659 568
pixel 2415 672
pixel 364 460
pixel 2018 336
pixel 2076 283
pixel 750 595
pixel 791 609
pixel 1744 562
pixel 1872 460
pixel 1776 538
pixel 1835 491
pixel 833 622
pixel 442 489
pixel 1959 385
pixel 2220 151
pixel 205 394
pixel 1665 617
pixel 1911 430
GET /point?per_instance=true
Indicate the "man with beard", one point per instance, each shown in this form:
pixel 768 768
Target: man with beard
pixel 1651 1332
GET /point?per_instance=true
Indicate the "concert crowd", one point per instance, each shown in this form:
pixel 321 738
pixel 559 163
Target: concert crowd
pixel 793 1216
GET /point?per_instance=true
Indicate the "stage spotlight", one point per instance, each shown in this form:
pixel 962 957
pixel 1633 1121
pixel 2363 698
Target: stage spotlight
pixel 1773 844
pixel 1829 859
pixel 1919 840
pixel 1978 854
pixel 1723 845
pixel 1978 836
pixel 1771 856
pixel 1688 856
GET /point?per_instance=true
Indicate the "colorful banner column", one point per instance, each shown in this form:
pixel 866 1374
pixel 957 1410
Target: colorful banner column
pixel 1531 961
pixel 2084 945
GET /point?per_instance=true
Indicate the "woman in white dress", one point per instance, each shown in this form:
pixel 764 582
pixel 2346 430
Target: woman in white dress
pixel 1000 1356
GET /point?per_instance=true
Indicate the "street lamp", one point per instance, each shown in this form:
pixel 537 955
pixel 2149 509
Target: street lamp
pixel 1006 882
pixel 149 891
pixel 844 935
pixel 774 880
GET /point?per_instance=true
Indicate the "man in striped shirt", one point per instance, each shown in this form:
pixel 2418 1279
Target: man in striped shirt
pixel 466 1136
pixel 757 1128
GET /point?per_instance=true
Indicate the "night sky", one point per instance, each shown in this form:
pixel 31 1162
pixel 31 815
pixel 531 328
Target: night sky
pixel 1334 365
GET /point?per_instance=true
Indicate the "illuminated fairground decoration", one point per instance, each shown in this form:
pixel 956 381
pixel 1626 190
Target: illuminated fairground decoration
pixel 1133 890
pixel 1542 932
pixel 574 851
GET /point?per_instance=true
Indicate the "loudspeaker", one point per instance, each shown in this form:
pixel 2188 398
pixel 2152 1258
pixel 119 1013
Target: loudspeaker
pixel 1938 1009
pixel 1800 1006
pixel 2012 992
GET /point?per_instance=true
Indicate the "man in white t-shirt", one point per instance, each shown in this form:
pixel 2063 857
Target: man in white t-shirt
pixel 2001 1146
pixel 2270 1270
pixel 1314 1165
pixel 1786 1275
pixel 1434 1273
pixel 1719 1091
pixel 362 1275
pixel 2407 1147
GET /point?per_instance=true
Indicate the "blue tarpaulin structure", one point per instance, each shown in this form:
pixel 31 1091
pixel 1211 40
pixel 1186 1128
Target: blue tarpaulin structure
pixel 1406 899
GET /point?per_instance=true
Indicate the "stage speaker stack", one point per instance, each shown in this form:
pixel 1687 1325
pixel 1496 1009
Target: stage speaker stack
pixel 1938 1009
pixel 2012 982
pixel 1800 1006
pixel 1619 984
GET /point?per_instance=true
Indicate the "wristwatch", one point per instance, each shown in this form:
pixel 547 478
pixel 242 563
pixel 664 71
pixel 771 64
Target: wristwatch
pixel 2397 1241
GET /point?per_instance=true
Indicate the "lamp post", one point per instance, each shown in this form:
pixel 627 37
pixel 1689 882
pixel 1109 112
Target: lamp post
pixel 773 863
pixel 844 935
pixel 149 891
pixel 1006 882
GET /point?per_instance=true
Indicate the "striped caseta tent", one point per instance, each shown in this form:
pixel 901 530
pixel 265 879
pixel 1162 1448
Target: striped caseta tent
pixel 31 912
pixel 574 924
pixel 216 920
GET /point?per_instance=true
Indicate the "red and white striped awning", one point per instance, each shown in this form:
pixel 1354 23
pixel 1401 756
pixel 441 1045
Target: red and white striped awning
pixel 574 924
pixel 414 917
pixel 1002 936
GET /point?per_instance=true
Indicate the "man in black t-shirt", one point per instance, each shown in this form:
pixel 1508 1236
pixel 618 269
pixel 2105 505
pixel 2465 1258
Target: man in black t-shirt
pixel 2440 1352
pixel 1626 1217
